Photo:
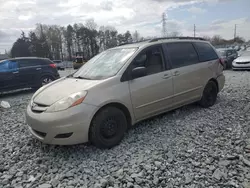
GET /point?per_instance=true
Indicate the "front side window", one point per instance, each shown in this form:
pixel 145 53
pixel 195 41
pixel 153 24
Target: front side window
pixel 151 59
pixel 105 64
pixel 8 66
pixel 205 51
pixel 182 54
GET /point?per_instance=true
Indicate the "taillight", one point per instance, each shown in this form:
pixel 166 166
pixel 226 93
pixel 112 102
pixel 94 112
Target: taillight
pixel 221 61
pixel 52 65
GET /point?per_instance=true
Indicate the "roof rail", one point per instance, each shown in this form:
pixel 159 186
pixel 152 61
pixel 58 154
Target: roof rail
pixel 187 38
pixel 134 42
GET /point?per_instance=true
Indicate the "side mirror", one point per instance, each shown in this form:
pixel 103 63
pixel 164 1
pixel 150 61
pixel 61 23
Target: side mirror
pixel 139 72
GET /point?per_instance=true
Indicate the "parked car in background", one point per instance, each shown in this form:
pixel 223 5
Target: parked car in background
pixel 242 62
pixel 122 86
pixel 30 72
pixel 228 55
pixel 68 64
pixel 59 64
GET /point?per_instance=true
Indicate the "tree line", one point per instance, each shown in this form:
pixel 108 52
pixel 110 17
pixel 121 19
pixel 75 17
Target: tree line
pixel 56 42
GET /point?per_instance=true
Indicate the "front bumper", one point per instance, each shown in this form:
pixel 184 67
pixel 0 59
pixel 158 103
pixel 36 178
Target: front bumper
pixel 61 128
pixel 236 66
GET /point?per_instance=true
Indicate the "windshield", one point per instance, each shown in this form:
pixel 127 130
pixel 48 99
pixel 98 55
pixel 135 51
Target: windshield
pixel 105 64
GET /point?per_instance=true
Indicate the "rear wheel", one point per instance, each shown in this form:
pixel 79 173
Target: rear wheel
pixel 46 80
pixel 108 127
pixel 209 95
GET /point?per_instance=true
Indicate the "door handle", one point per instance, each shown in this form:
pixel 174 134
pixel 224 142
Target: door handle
pixel 176 73
pixel 166 76
pixel 38 68
pixel 15 72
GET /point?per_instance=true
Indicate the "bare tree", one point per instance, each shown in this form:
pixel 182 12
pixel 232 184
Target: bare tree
pixel 136 36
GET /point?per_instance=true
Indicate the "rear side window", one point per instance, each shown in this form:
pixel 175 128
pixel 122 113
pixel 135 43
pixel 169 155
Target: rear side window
pixel 29 62
pixel 205 51
pixel 181 54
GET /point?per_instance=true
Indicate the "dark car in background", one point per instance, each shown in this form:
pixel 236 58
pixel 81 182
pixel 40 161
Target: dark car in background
pixel 59 64
pixel 26 72
pixel 228 55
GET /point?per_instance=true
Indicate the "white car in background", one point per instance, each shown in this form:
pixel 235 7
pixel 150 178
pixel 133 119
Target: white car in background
pixel 242 62
pixel 59 64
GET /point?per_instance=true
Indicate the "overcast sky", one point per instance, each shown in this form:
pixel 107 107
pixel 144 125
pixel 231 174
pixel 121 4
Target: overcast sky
pixel 210 16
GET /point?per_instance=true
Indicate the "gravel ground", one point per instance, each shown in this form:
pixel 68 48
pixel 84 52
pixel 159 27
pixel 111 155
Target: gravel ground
pixel 189 147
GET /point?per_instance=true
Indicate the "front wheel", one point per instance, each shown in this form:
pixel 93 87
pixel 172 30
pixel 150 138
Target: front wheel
pixel 209 95
pixel 108 128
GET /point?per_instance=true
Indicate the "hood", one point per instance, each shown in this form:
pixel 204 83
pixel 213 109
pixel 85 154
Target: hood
pixel 242 59
pixel 63 88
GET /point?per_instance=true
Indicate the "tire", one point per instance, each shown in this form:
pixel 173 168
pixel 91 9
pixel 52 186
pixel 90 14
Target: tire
pixel 108 128
pixel 209 95
pixel 46 80
pixel 225 66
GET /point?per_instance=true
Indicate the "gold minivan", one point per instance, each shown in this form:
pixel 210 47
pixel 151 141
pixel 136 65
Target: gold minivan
pixel 122 86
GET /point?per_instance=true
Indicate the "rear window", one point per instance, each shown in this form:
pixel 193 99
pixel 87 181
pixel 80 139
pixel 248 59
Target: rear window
pixel 181 54
pixel 205 51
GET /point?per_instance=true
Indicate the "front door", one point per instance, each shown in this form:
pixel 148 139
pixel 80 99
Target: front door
pixel 152 93
pixel 8 75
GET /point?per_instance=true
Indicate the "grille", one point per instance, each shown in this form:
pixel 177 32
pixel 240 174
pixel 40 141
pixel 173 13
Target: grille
pixel 243 62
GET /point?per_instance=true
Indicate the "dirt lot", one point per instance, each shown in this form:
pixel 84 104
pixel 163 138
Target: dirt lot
pixel 189 147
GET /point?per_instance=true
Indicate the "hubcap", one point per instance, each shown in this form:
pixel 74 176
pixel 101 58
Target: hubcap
pixel 46 81
pixel 109 128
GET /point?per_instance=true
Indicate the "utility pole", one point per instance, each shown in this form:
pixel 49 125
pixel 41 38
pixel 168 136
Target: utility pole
pixel 194 30
pixel 164 25
pixel 235 27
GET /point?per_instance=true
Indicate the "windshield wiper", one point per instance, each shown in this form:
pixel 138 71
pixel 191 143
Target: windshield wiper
pixel 81 77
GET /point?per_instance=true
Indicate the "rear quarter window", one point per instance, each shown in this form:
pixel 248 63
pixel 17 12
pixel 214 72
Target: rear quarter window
pixel 205 51
pixel 47 62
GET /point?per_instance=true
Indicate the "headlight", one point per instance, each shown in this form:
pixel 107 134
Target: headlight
pixel 68 102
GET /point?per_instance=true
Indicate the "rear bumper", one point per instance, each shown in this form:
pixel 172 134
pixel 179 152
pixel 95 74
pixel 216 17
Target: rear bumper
pixel 221 82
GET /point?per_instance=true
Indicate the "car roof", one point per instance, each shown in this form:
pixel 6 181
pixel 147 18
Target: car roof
pixel 19 58
pixel 150 42
pixel 223 49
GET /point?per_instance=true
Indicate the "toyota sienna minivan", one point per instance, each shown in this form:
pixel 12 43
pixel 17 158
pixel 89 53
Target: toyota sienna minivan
pixel 122 86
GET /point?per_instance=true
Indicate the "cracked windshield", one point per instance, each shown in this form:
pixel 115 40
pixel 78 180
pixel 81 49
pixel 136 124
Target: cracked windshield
pixel 125 94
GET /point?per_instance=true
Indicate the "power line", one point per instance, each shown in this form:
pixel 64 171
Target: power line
pixel 194 30
pixel 164 25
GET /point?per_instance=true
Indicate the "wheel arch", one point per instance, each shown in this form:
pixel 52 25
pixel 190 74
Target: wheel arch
pixel 118 105
pixel 216 83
